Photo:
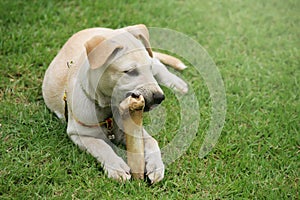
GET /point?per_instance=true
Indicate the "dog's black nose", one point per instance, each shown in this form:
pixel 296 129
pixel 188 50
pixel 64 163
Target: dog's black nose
pixel 158 98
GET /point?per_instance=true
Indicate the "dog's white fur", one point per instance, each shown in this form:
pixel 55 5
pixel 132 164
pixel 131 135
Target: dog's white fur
pixel 97 68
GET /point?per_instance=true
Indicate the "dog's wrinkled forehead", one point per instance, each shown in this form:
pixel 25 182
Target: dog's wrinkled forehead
pixel 127 40
pixel 132 55
pixel 102 50
pixel 131 60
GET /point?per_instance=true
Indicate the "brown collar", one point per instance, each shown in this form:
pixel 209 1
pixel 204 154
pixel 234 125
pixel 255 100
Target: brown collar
pixel 108 123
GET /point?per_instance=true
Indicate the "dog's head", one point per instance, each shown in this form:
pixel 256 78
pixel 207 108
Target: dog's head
pixel 122 65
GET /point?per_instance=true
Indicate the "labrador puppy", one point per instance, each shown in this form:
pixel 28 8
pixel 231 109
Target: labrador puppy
pixel 94 71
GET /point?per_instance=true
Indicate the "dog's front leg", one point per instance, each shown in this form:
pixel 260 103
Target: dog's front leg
pixel 114 166
pixel 154 166
pixel 164 77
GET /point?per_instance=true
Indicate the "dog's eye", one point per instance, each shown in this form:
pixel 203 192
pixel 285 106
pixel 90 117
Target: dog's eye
pixel 133 72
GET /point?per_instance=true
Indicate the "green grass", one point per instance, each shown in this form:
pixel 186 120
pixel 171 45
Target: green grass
pixel 255 45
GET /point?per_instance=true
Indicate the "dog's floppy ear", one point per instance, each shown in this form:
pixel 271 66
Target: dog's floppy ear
pixel 99 50
pixel 141 33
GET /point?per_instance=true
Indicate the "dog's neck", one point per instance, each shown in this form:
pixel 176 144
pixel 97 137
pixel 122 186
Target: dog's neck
pixel 92 95
pixel 86 80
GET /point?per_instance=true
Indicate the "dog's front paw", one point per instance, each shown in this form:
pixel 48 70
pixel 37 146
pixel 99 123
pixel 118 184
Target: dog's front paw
pixel 178 84
pixel 155 170
pixel 174 82
pixel 118 170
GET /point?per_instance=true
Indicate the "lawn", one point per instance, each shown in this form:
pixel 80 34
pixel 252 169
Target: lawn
pixel 255 45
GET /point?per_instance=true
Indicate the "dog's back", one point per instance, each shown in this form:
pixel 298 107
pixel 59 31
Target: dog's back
pixel 55 80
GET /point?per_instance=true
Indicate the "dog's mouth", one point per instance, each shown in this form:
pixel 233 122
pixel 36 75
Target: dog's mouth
pixel 151 107
pixel 150 103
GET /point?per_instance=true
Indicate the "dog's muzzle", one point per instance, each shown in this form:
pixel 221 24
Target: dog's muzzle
pixel 150 101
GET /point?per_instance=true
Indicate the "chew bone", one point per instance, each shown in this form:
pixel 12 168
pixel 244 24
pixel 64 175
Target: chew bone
pixel 131 111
